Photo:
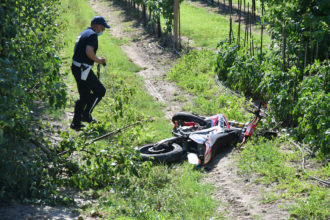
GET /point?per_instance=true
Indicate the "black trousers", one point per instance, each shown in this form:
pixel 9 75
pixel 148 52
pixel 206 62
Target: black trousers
pixel 91 92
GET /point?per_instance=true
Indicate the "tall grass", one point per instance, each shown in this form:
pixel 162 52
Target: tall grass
pixel 166 193
pixel 275 166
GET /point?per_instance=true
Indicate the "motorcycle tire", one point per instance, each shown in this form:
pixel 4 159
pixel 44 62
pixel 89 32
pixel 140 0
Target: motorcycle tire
pixel 187 117
pixel 169 154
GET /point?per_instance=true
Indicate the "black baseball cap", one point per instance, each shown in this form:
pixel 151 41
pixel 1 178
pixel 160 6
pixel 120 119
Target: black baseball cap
pixel 100 20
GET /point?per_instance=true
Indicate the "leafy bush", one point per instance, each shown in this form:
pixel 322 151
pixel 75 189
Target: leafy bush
pixel 304 24
pixel 282 90
pixel 157 9
pixel 313 107
pixel 226 56
pixel 29 77
pixel 32 167
pixel 298 99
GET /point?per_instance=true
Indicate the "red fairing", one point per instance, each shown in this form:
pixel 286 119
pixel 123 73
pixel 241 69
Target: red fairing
pixel 249 130
pixel 190 124
pixel 226 121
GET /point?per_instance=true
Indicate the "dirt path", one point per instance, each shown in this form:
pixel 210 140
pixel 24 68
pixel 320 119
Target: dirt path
pixel 145 51
pixel 240 197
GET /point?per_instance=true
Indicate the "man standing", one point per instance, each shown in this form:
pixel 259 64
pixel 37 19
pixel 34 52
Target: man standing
pixel 90 88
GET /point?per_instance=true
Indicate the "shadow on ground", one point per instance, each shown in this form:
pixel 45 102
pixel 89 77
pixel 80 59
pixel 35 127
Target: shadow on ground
pixel 32 212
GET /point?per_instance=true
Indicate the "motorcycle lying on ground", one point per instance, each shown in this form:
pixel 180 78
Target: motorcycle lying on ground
pixel 199 138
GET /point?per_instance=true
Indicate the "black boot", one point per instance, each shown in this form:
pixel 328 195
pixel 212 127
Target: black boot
pixel 87 114
pixel 88 119
pixel 77 127
pixel 76 122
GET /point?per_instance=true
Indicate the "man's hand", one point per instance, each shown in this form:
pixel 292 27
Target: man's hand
pixel 101 60
pixel 91 55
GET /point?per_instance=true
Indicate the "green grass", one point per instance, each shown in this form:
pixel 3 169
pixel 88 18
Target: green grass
pixel 207 29
pixel 194 72
pixel 165 192
pixel 278 166
pixel 235 2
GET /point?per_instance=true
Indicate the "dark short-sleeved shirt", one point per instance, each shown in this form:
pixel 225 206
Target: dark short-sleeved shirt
pixel 87 37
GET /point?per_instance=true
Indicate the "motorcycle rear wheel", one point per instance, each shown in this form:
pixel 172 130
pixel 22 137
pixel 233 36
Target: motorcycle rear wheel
pixel 187 117
pixel 167 153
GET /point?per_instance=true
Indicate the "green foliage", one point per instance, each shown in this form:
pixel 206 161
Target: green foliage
pixel 273 165
pixel 267 159
pixel 29 76
pixel 315 206
pixel 164 8
pixel 194 72
pixel 299 100
pixel 165 192
pixel 226 56
pixel 313 107
pixel 22 177
pixel 305 23
pixel 238 69
pixel 112 162
pixel 298 96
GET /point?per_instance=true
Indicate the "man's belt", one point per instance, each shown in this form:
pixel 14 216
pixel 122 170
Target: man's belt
pixel 85 68
pixel 77 64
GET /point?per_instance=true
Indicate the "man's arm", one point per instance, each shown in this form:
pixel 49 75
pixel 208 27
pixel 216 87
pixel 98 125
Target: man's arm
pixel 91 55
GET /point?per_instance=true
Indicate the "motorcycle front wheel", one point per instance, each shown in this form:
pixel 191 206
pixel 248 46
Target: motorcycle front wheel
pixel 165 152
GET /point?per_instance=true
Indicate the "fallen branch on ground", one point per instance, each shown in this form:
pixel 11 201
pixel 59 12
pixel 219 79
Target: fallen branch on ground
pixel 110 134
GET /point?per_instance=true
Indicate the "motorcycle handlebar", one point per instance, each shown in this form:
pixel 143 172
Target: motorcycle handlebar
pixel 179 132
pixel 257 112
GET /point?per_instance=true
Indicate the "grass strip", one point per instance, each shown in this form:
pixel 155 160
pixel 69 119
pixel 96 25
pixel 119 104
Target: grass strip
pixel 207 29
pixel 274 163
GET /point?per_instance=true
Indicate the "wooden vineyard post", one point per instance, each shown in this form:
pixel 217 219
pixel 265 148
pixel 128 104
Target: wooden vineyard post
pixel 284 46
pixel 305 58
pixel 239 23
pixel 310 41
pixel 317 50
pixel 254 9
pixel 231 24
pixel 245 24
pixel 176 24
pixel 262 25
pixel 179 26
pixel 246 40
pixel 159 28
pixel 251 37
pixel 144 14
